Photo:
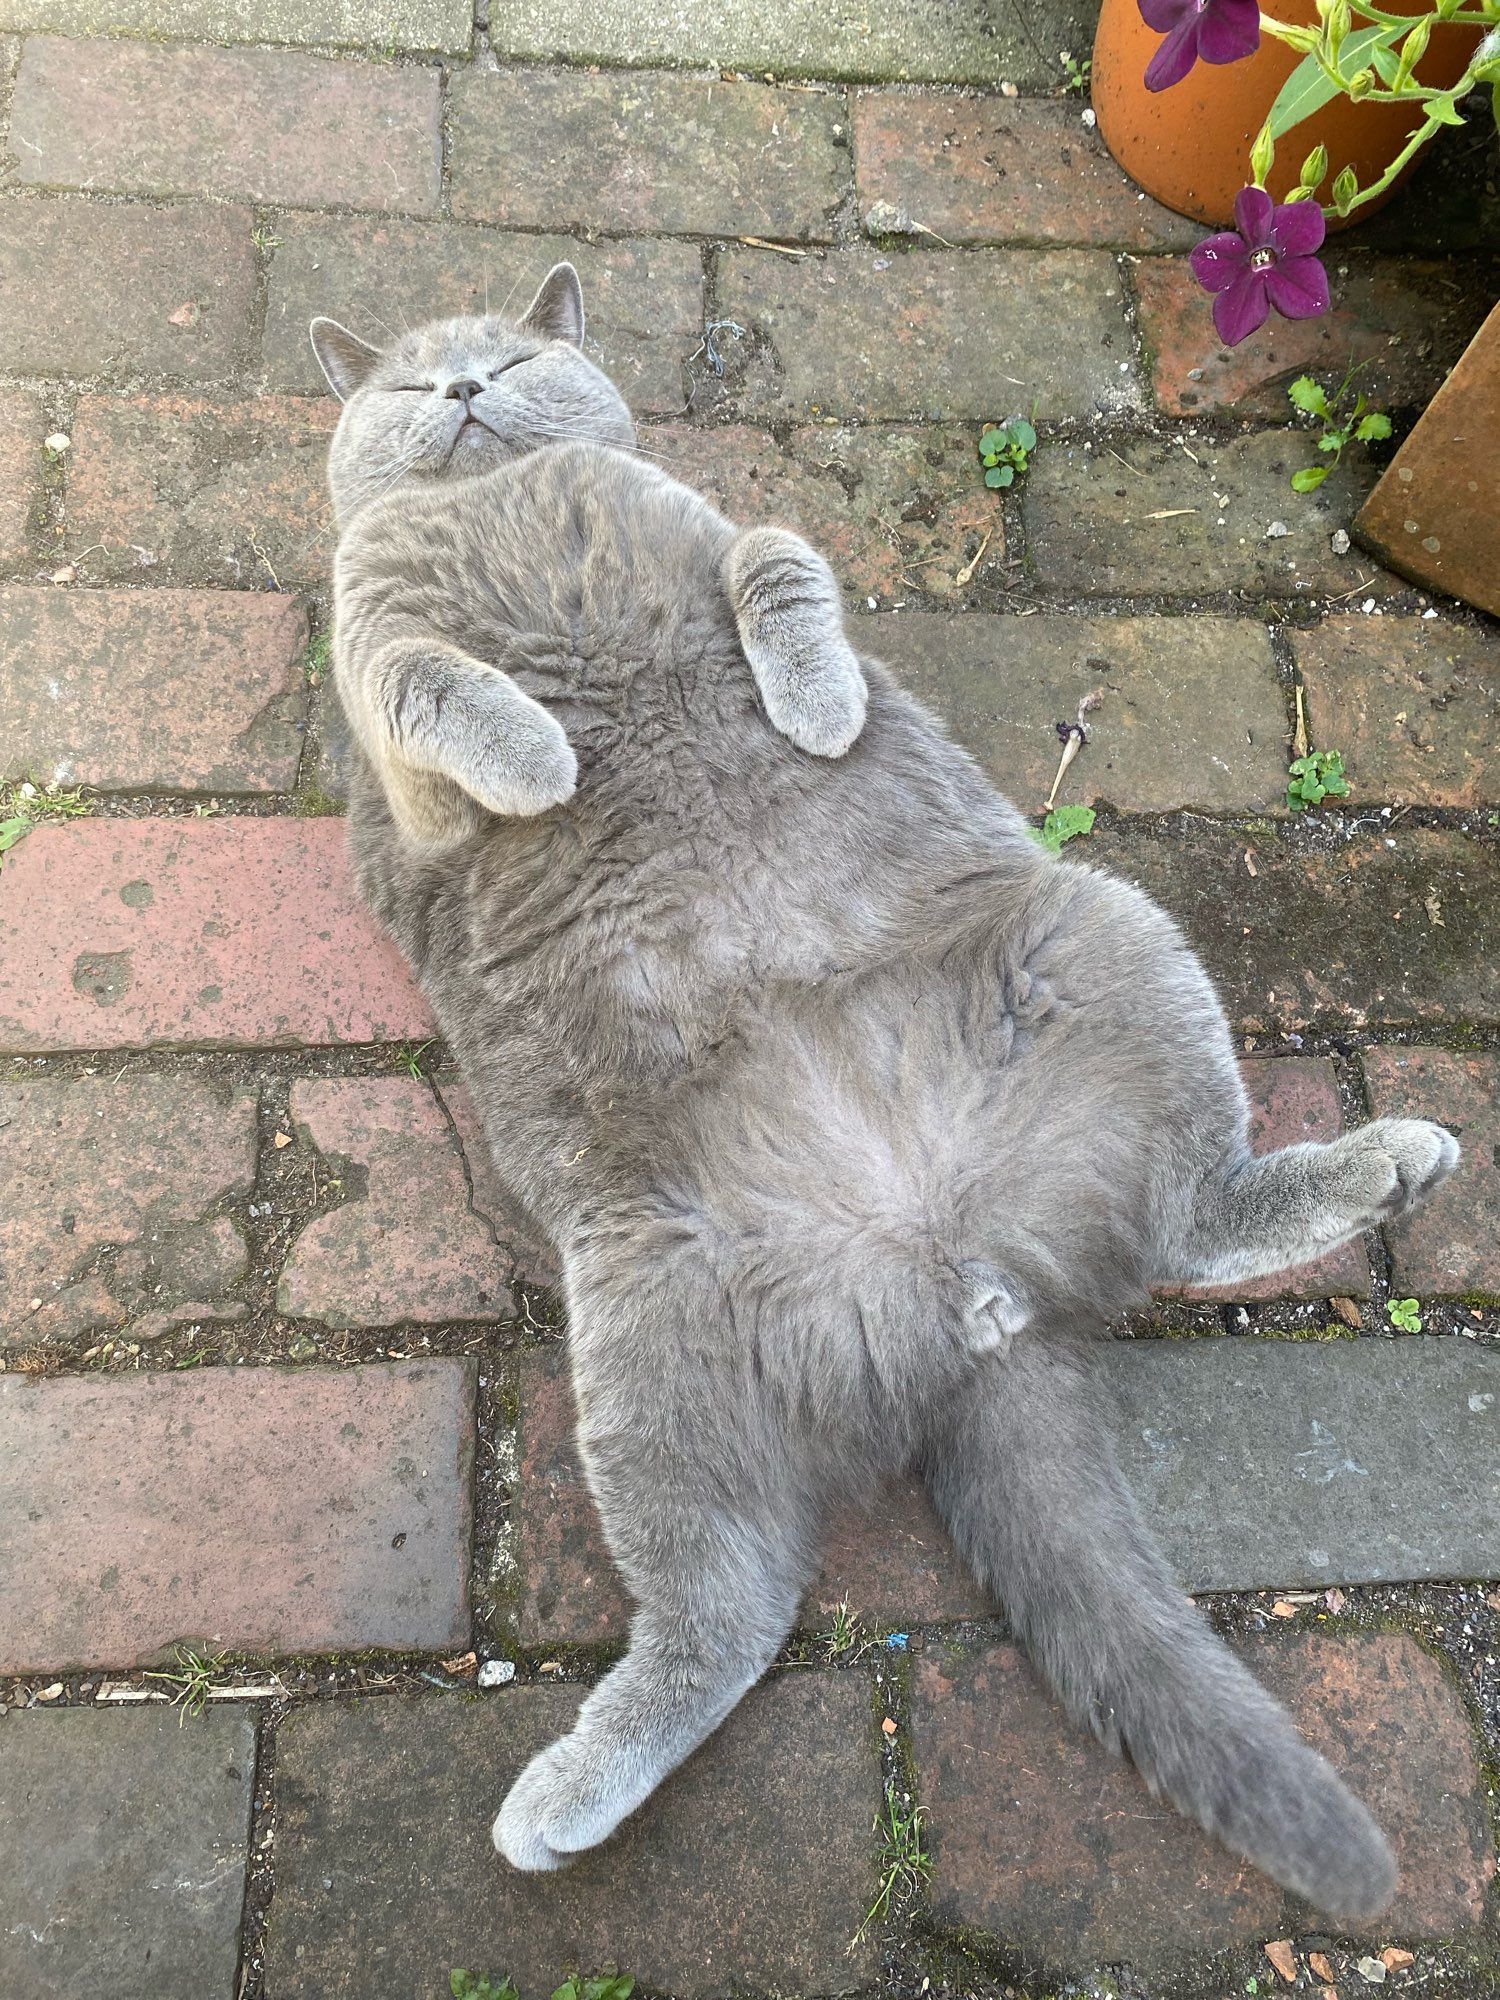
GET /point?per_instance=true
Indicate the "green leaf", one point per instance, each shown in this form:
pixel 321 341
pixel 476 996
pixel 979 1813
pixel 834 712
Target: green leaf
pixel 1023 434
pixel 1308 394
pixel 1000 475
pixel 993 443
pixel 1387 65
pixel 1310 478
pixel 458 1983
pixel 12 830
pixel 1373 426
pixel 1332 441
pixel 1063 824
pixel 1307 89
pixel 1445 111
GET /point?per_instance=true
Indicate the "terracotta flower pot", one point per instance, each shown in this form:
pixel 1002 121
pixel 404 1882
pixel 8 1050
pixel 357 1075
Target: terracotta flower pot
pixel 1190 145
pixel 1435 516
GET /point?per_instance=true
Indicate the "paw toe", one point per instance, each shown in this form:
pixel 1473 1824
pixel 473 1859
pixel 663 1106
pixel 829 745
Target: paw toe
pixel 1422 1155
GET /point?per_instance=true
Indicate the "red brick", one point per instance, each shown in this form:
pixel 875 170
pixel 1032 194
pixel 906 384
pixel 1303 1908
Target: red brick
pixel 404 1244
pixel 171 690
pixel 265 1510
pixel 646 150
pixel 21 429
pixel 1413 704
pixel 643 301
pixel 895 509
pixel 194 933
pixel 1452 1243
pixel 1409 320
pixel 934 333
pixel 1041 1838
pixel 998 170
pixel 258 125
pixel 1292 1099
pixel 113 1224
pixel 893 1562
pixel 1192 714
pixel 188 490
pixel 101 288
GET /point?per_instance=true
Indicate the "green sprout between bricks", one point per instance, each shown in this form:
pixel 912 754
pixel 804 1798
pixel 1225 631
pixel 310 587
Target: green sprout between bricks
pixel 1405 1315
pixel 1317 776
pixel 1005 451
pixel 29 805
pixel 1341 419
pixel 904 1861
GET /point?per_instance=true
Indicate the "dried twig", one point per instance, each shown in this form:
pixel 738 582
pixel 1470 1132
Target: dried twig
pixel 1073 736
pixel 966 574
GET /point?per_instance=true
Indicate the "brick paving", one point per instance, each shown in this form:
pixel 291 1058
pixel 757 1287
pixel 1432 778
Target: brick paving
pixel 280 1374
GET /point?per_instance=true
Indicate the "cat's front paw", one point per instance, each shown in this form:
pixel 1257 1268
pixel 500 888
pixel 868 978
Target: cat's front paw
pixel 524 765
pixel 564 1801
pixel 823 712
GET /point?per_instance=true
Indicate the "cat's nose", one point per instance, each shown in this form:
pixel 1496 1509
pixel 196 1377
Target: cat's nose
pixel 463 388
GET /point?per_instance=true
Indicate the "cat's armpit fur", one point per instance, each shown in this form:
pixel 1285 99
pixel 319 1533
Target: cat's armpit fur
pixel 854 1115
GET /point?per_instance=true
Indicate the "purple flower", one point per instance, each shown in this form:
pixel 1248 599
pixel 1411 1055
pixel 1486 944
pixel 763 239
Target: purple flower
pixel 1220 31
pixel 1266 260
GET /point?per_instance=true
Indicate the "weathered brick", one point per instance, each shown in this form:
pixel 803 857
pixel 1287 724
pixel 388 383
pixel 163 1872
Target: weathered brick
pixel 1097 527
pixel 1292 1100
pixel 267 1510
pixel 1342 935
pixel 126 1839
pixel 1452 1243
pixel 748 1870
pixel 258 125
pixel 227 493
pixel 98 287
pixel 532 1255
pixel 114 1223
pixel 933 333
pixel 895 509
pixel 404 1244
pixel 893 1562
pixel 445 25
pixel 646 150
pixel 21 428
pixel 1413 704
pixel 998 170
pixel 172 690
pixel 1407 321
pixel 198 933
pixel 643 301
pixel 1192 712
pixel 1041 1838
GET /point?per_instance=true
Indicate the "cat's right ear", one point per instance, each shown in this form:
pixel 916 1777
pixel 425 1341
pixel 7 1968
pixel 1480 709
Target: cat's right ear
pixel 343 357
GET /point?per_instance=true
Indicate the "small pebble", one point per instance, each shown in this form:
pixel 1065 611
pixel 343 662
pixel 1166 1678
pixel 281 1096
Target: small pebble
pixel 1090 119
pixel 1276 530
pixel 1340 542
pixel 58 443
pixel 497 1673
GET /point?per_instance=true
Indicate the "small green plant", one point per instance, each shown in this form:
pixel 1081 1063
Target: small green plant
pixel 265 239
pixel 1317 776
pixel 603 1986
pixel 315 660
pixel 1405 1315
pixel 1005 450
pixel 1062 824
pixel 28 805
pixel 1341 421
pixel 193 1678
pixel 474 1986
pixel 845 1638
pixel 410 1059
pixel 904 1861
pixel 1077 73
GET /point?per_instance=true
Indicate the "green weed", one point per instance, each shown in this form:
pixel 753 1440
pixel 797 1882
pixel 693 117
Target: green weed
pixel 1341 420
pixel 193 1679
pixel 1062 824
pixel 1317 776
pixel 1005 451
pixel 904 1861
pixel 1405 1315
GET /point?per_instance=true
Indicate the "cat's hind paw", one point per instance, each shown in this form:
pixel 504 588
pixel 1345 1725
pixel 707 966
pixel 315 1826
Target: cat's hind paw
pixel 1395 1163
pixel 570 1797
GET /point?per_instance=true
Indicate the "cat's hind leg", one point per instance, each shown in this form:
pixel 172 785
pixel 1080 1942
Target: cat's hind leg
pixel 791 625
pixel 1022 1468
pixel 1278 1210
pixel 702 1514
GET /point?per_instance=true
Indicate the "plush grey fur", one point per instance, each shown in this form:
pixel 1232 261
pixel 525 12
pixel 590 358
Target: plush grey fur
pixel 855 1117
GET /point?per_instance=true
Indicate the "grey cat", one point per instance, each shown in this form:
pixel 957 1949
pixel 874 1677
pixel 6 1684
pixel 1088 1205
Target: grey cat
pixel 854 1116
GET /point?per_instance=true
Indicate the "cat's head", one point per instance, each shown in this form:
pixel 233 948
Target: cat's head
pixel 457 396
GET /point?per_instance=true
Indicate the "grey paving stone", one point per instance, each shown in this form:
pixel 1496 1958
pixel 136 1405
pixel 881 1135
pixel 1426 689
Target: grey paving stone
pixel 125 1839
pixel 934 41
pixel 748 1871
pixel 371 24
pixel 864 332
pixel 1294 1464
pixel 1192 713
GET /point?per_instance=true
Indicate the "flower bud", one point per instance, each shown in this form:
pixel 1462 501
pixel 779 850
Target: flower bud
pixel 1413 49
pixel 1262 154
pixel 1345 188
pixel 1361 84
pixel 1314 167
pixel 1339 22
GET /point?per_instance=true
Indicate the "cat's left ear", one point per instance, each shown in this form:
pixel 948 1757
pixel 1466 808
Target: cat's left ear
pixel 556 313
pixel 344 358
